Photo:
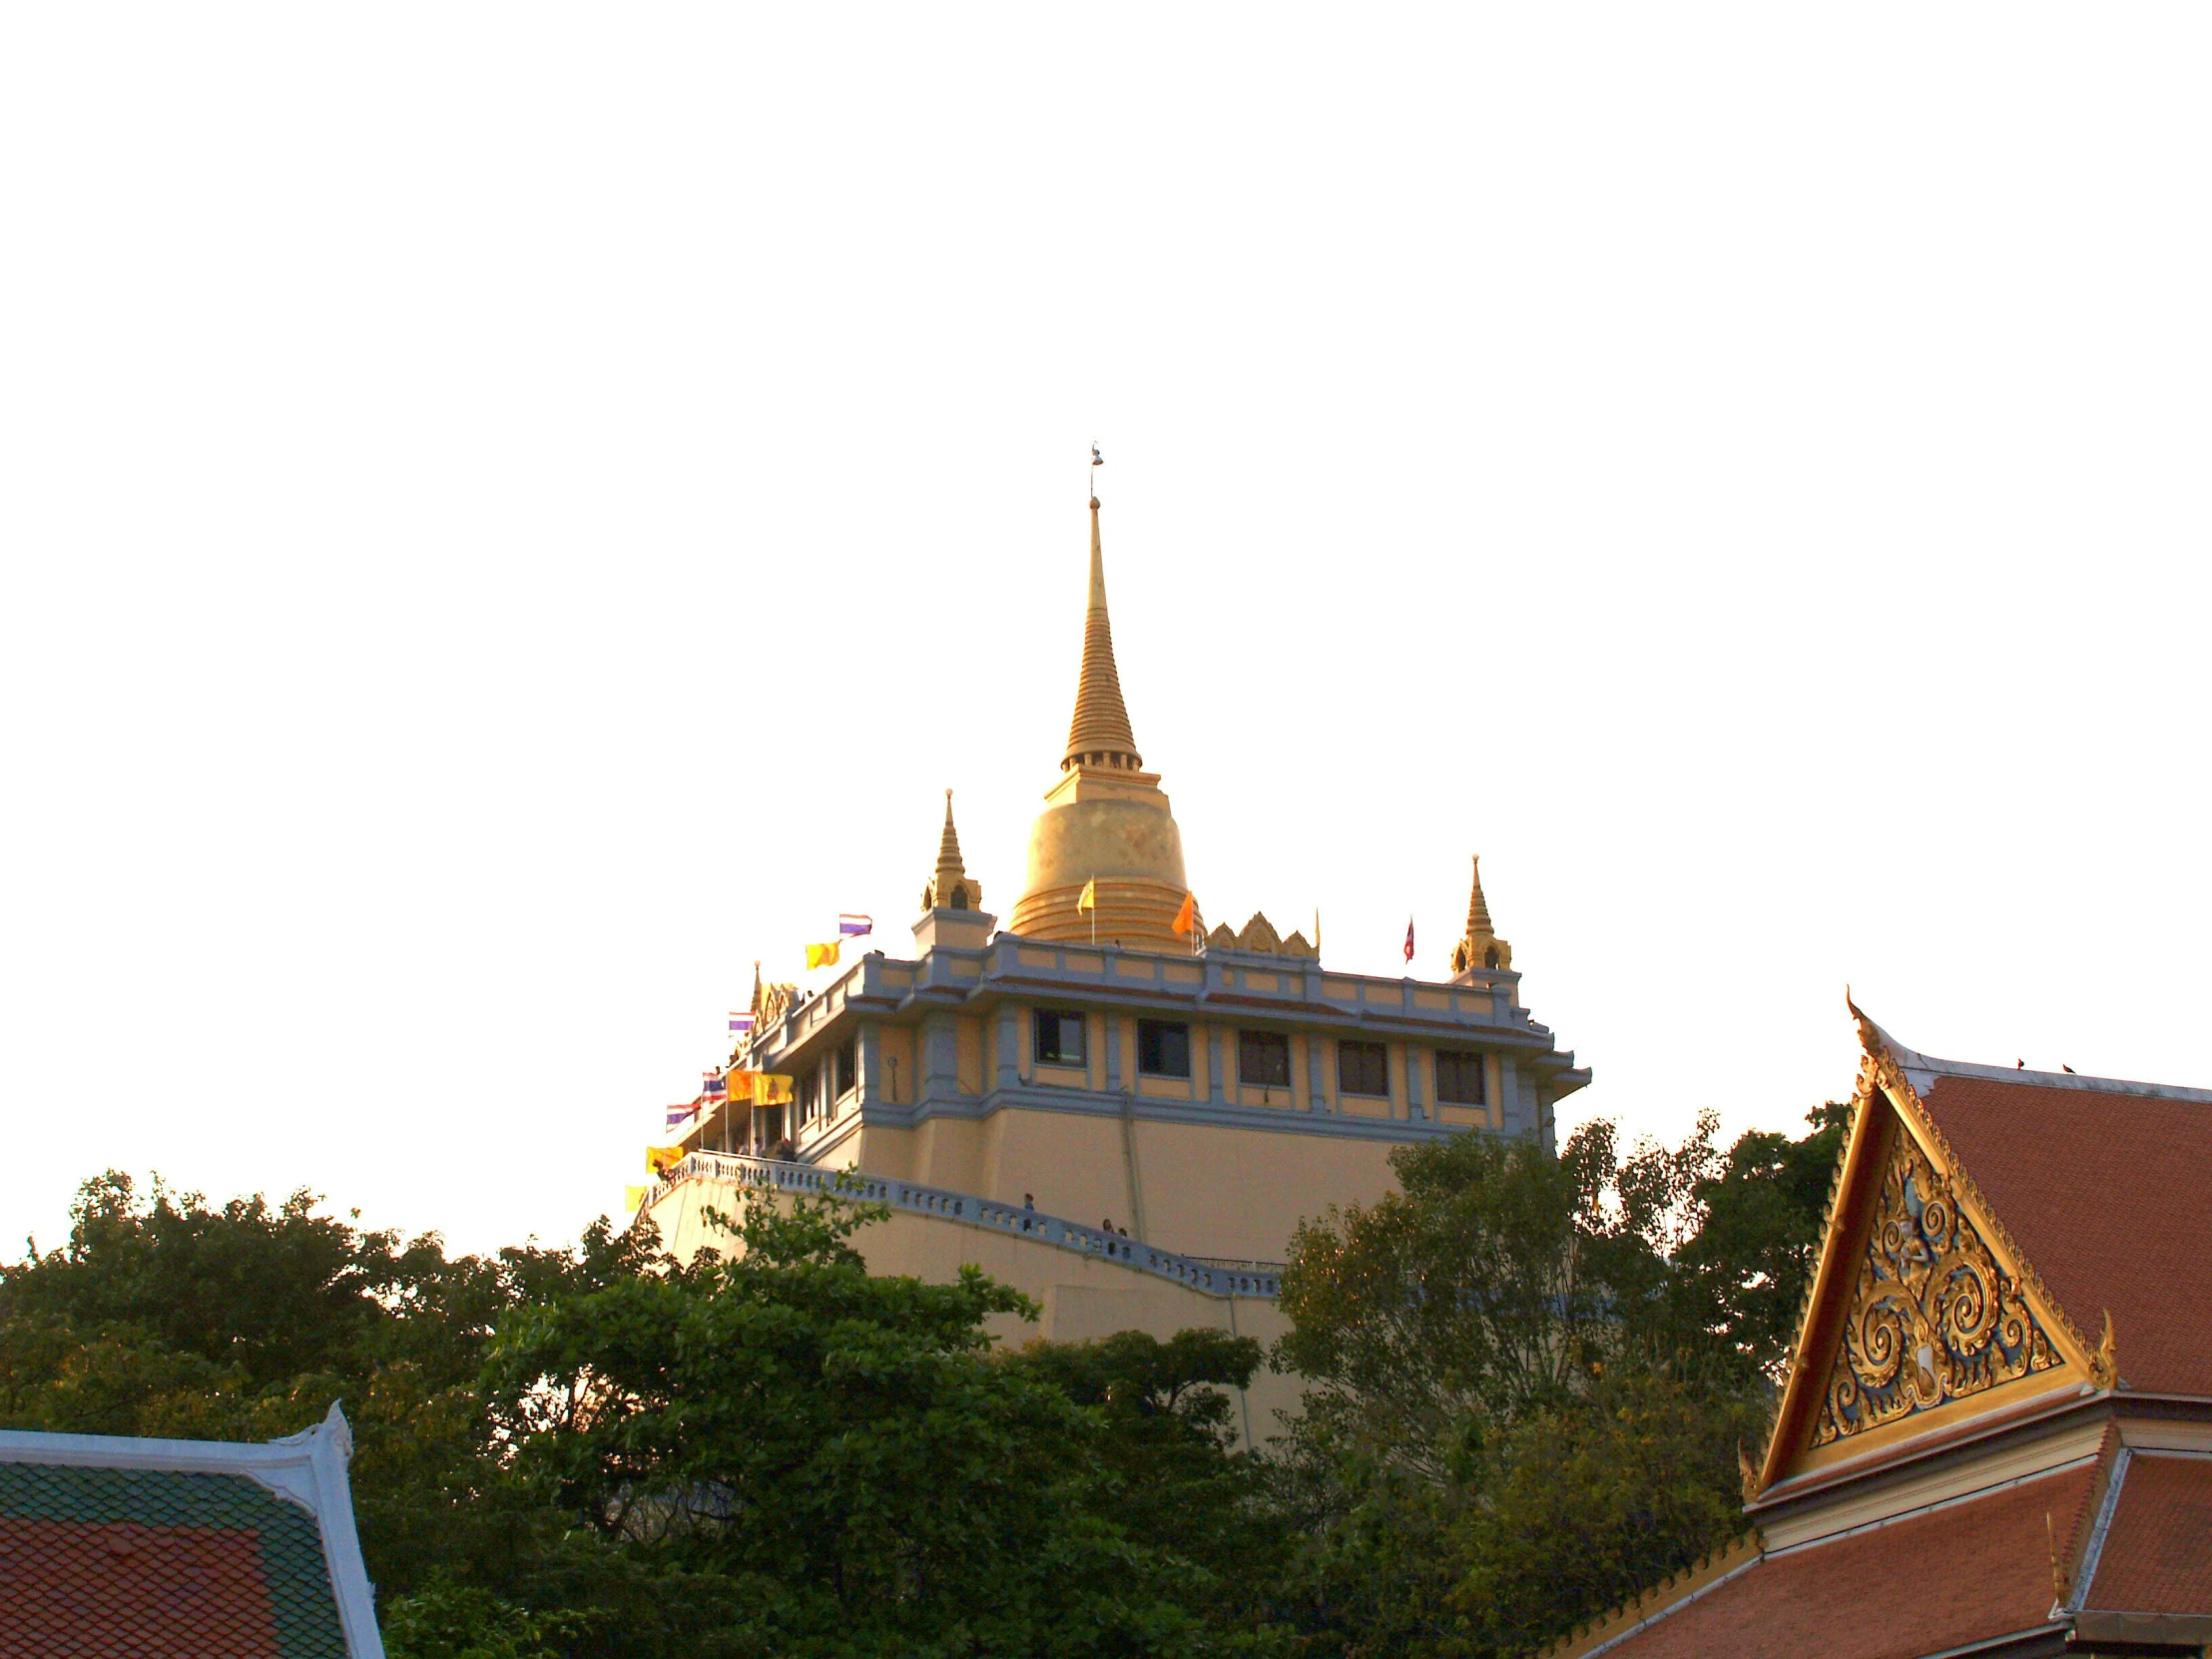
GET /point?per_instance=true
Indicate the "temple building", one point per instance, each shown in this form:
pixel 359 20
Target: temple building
pixel 1121 1115
pixel 1995 1434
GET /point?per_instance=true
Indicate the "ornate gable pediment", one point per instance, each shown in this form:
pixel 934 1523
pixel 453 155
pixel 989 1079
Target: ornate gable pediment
pixel 1935 1316
pixel 1922 1311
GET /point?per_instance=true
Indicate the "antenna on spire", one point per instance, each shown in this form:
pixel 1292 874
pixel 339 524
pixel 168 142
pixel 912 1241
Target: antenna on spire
pixel 1097 461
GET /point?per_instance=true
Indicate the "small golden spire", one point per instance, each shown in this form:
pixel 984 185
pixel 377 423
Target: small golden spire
pixel 1480 947
pixel 1099 734
pixel 950 888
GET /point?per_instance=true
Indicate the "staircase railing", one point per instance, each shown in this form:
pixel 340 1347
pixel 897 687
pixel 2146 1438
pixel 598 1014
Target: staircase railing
pixel 1245 1279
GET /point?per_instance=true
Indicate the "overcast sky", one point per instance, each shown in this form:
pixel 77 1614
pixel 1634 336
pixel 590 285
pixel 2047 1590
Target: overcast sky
pixel 510 513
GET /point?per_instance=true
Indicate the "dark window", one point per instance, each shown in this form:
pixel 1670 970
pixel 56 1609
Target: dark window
pixel 1163 1048
pixel 1362 1068
pixel 1059 1038
pixel 1459 1078
pixel 847 1069
pixel 1264 1059
pixel 810 1096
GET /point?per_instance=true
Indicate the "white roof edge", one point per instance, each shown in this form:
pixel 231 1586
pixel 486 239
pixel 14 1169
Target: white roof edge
pixel 1924 1070
pixel 309 1469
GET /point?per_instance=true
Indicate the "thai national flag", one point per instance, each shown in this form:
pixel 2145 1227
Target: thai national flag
pixel 739 1023
pixel 716 1087
pixel 678 1116
pixel 851 926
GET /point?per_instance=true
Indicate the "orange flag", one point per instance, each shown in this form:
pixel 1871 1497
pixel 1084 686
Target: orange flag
pixel 1187 917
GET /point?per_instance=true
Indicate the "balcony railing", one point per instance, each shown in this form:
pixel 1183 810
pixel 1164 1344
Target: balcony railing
pixel 1246 1279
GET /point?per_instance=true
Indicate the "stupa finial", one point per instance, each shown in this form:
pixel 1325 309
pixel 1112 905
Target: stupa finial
pixel 949 889
pixel 1099 735
pixel 1480 949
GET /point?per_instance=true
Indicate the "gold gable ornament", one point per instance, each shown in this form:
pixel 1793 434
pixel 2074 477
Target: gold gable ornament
pixel 1935 1315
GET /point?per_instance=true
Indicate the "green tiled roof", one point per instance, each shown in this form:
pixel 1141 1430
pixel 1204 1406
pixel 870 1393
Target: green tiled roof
pixel 287 1541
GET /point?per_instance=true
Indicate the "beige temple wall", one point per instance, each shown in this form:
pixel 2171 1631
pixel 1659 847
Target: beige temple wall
pixel 1205 1190
pixel 1080 1298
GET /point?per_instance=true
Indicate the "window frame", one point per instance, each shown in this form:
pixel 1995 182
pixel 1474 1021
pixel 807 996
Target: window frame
pixel 1157 1028
pixel 1381 1052
pixel 844 1068
pixel 1278 1045
pixel 1061 1017
pixel 1463 1059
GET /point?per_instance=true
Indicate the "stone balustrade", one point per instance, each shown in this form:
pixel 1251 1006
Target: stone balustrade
pixel 1211 1278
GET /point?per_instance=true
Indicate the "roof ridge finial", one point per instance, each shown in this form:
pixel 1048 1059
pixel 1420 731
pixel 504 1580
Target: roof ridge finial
pixel 1099 735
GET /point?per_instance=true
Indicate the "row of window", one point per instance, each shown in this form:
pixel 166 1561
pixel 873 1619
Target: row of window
pixel 1263 1057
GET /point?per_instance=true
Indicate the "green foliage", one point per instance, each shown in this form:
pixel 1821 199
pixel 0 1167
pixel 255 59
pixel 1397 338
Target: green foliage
pixel 805 1460
pixel 163 1314
pixel 447 1620
pixel 1746 1270
pixel 1173 1475
pixel 1529 1378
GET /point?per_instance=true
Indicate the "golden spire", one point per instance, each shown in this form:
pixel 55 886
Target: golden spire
pixel 950 888
pixel 1099 735
pixel 1478 907
pixel 1480 949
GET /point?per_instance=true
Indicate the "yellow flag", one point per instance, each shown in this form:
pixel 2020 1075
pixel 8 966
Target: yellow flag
pixel 1187 917
pixel 631 1197
pixel 659 1160
pixel 822 955
pixel 770 1088
pixel 1088 898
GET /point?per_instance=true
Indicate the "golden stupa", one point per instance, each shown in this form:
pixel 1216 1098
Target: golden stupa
pixel 1106 819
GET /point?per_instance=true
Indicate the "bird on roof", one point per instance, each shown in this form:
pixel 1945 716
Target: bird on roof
pixel 2068 1070
pixel 2020 1065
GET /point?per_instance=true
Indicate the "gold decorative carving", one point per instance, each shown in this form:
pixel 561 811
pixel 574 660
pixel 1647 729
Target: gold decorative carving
pixel 2104 1365
pixel 1936 1316
pixel 776 1002
pixel 1882 1083
pixel 1259 934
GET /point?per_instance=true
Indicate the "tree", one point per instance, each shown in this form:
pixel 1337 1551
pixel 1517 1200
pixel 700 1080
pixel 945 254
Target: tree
pixel 1528 1378
pixel 1166 1447
pixel 165 1314
pixel 772 1453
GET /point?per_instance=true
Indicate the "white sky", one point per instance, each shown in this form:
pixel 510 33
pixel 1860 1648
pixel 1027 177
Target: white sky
pixel 510 513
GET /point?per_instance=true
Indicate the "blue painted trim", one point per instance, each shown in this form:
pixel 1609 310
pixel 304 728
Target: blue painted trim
pixel 1083 1103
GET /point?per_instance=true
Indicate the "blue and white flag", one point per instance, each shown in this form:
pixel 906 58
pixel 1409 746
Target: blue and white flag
pixel 678 1116
pixel 715 1088
pixel 739 1023
pixel 851 926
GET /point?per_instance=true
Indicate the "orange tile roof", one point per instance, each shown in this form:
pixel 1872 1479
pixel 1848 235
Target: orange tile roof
pixel 2104 1191
pixel 121 1591
pixel 2157 1553
pixel 1941 1578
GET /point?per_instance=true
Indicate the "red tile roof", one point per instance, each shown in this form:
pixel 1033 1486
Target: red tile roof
pixel 1938 1579
pixel 2104 1191
pixel 2157 1554
pixel 122 1591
